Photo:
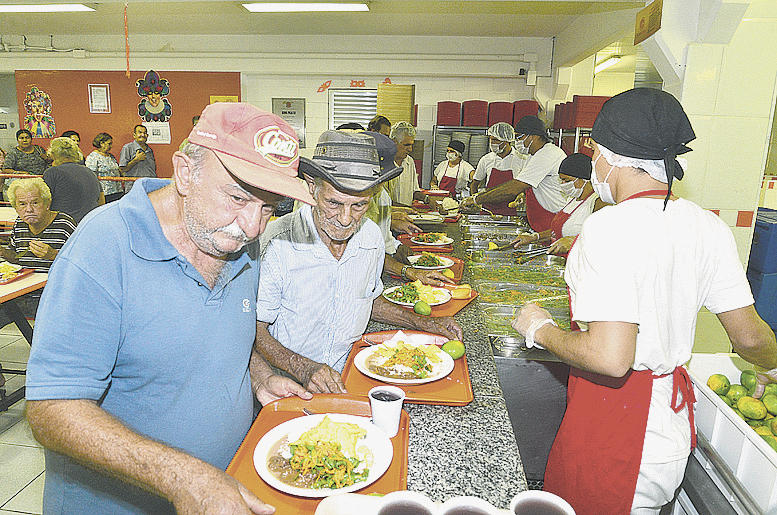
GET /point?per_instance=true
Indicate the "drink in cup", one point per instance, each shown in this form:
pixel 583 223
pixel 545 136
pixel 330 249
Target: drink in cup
pixel 386 405
pixel 537 502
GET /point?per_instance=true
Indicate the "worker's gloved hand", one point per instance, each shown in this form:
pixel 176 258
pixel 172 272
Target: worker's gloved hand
pixel 468 205
pixel 763 379
pixel 530 318
pixel 562 246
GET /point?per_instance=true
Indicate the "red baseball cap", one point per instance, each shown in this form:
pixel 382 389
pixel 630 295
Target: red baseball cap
pixel 257 147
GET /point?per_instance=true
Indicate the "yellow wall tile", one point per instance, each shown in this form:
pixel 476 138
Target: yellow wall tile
pixel 702 74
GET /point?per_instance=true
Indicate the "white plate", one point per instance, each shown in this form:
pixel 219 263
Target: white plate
pixel 10 267
pixel 375 439
pixel 445 240
pixel 432 218
pixel 410 304
pixel 438 192
pixel 446 263
pixel 439 370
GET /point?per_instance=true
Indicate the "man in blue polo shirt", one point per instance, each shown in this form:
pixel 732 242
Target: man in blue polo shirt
pixel 139 384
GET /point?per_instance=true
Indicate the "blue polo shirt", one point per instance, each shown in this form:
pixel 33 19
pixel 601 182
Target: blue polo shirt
pixel 127 321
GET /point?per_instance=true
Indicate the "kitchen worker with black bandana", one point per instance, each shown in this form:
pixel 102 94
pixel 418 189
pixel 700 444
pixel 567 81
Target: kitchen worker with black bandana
pixel 534 172
pixel 638 275
pixel 575 174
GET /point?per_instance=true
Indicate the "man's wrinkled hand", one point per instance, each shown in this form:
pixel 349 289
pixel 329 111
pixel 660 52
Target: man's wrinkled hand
pixel 325 379
pixel 212 491
pixel 404 226
pixel 430 277
pixel 402 253
pixel 276 387
pixel 445 326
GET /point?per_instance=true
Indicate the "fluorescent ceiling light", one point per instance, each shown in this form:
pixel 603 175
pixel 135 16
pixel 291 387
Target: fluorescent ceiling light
pixel 44 8
pixel 297 7
pixel 610 61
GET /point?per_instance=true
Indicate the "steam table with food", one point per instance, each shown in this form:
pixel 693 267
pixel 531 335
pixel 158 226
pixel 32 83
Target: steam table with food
pixel 460 449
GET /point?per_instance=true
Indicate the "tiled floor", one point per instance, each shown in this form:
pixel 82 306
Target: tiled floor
pixel 21 457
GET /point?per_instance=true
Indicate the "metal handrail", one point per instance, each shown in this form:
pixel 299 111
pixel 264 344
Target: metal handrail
pixel 744 498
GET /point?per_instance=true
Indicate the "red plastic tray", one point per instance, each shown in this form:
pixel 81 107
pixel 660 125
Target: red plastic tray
pixel 453 390
pixel 242 465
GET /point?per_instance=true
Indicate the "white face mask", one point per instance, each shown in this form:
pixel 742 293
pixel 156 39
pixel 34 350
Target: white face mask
pixel 451 156
pixel 497 148
pixel 523 149
pixel 602 188
pixel 570 191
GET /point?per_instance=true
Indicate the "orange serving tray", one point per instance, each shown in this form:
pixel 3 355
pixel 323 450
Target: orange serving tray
pixel 242 465
pixel 457 268
pixel 404 239
pixel 451 307
pixel 22 272
pixel 453 390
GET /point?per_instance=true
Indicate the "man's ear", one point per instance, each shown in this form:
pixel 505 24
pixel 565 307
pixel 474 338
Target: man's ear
pixel 182 172
pixel 311 183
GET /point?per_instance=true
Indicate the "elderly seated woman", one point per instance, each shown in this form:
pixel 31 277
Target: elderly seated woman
pixel 37 235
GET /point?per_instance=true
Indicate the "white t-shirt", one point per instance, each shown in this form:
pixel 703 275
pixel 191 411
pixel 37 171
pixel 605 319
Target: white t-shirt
pixel 403 186
pixel 512 161
pixel 460 172
pixel 540 171
pixel 574 223
pixel 634 262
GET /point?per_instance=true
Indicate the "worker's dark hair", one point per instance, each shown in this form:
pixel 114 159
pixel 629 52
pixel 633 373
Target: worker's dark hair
pixel 67 134
pixel 100 139
pixel 23 131
pixel 377 122
pixel 136 127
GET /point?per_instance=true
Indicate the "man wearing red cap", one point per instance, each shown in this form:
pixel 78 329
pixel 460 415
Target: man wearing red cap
pixel 139 383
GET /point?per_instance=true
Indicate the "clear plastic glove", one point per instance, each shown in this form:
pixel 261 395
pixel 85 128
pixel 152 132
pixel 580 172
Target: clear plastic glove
pixel 523 239
pixel 528 319
pixel 763 379
pixel 561 246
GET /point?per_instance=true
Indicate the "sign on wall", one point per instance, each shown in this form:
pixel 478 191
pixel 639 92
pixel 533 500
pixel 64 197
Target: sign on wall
pixel 99 98
pixel 293 111
pixel 648 21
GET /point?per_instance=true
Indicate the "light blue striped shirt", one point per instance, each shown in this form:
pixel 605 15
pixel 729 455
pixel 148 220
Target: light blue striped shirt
pixel 316 305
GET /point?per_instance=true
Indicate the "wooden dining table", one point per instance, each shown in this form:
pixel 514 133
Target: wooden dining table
pixel 8 294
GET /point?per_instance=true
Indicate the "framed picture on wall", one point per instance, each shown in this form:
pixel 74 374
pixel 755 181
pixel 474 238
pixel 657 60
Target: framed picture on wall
pixel 99 98
pixel 293 111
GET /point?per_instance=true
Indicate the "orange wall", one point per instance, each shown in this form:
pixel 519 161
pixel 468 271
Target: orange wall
pixel 189 94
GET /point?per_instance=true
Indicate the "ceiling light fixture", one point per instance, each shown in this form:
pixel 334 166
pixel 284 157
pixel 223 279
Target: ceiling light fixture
pixel 610 61
pixel 44 8
pixel 297 7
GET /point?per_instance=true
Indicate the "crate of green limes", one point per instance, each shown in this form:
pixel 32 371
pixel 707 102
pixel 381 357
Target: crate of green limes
pixel 735 423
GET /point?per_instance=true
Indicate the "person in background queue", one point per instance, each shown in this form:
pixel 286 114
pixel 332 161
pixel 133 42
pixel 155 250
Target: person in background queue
pixel 143 414
pixel 104 164
pixel 25 158
pixel 75 189
pixel 453 173
pixel 77 138
pixel 37 235
pixel 638 275
pixel 321 268
pixel 536 176
pixel 575 174
pixel 136 158
pixel 382 213
pixel 380 124
pixel 404 189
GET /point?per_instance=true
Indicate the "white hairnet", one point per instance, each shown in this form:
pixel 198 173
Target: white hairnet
pixel 654 168
pixel 502 131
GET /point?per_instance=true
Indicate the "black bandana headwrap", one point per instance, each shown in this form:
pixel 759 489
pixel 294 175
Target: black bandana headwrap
pixel 646 123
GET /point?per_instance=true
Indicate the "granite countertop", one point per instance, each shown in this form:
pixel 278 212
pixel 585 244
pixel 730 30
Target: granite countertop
pixel 465 450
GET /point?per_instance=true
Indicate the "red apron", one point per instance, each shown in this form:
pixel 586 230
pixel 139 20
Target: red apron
pixel 560 218
pixel 539 218
pixel 595 459
pixel 496 178
pixel 448 183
